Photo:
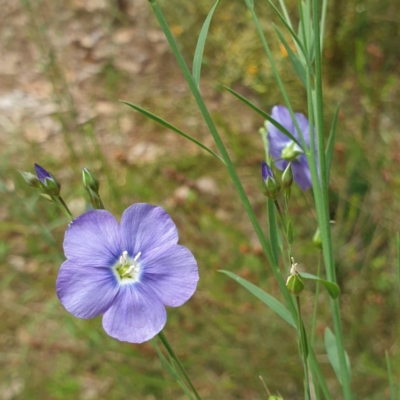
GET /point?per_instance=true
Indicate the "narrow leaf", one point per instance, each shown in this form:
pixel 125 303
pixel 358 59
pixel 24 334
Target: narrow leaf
pixel 332 350
pixel 331 287
pixel 266 298
pixel 331 142
pixel 265 115
pixel 390 377
pixel 289 28
pixel 198 54
pixel 297 65
pixel 169 126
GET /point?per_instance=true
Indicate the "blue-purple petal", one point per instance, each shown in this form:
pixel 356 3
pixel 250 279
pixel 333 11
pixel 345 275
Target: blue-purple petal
pixel 301 173
pixel 86 292
pixel 304 127
pixel 93 239
pixel 136 316
pixel 41 173
pixel 172 273
pixel 145 227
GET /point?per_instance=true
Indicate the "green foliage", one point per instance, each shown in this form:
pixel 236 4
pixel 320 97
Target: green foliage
pixel 48 354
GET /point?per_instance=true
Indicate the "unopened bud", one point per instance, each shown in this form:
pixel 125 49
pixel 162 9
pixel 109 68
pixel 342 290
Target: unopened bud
pixel 48 182
pixel 287 177
pixel 295 282
pixel 89 181
pixel 317 240
pixel 271 186
pixel 30 179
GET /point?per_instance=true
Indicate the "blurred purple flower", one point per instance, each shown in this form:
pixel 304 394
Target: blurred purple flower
pixel 127 271
pixel 283 150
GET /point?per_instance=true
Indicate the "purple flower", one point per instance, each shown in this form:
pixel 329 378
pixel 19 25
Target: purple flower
pixel 127 271
pixel 284 150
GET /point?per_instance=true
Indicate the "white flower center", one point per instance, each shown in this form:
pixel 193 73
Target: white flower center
pixel 128 269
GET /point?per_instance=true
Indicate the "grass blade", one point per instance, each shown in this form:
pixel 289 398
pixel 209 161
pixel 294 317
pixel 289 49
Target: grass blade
pixel 390 377
pixel 332 350
pixel 297 65
pixel 265 115
pixel 198 54
pixel 266 298
pixel 169 126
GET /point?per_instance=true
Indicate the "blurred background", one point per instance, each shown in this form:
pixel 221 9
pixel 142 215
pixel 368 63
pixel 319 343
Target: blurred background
pixel 63 67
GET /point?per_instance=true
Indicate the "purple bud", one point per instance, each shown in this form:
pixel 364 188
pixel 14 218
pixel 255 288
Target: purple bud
pixel 42 174
pixel 271 186
pixel 266 172
pixel 49 183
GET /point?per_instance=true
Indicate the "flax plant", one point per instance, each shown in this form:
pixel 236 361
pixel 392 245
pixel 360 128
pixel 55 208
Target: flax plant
pixel 306 60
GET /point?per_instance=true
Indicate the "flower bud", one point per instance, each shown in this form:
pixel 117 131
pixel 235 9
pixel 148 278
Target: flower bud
pixel 48 182
pixel 271 186
pixel 91 184
pixel 317 240
pixel 89 181
pixel 287 177
pixel 30 179
pixel 295 282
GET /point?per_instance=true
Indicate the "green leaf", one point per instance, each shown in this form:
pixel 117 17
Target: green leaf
pixel 198 54
pixel 266 298
pixel 289 28
pixel 332 350
pixel 297 65
pixel 169 126
pixel 331 142
pixel 331 287
pixel 265 115
pixel 390 377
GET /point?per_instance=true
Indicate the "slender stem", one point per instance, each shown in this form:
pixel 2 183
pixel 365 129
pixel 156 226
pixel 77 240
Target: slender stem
pixel 63 206
pixel 315 311
pixel 304 349
pixel 171 352
pixel 323 216
pixel 224 154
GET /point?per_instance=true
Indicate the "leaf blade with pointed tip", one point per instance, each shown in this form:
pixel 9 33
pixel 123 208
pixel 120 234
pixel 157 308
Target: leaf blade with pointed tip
pixel 265 115
pixel 296 63
pixel 169 126
pixel 332 351
pixel 198 54
pixel 331 287
pixel 266 298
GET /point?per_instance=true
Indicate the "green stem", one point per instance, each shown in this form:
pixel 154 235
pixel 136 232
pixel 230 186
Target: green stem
pixel 63 206
pixel 323 214
pixel 315 311
pixel 171 352
pixel 304 349
pixel 224 154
